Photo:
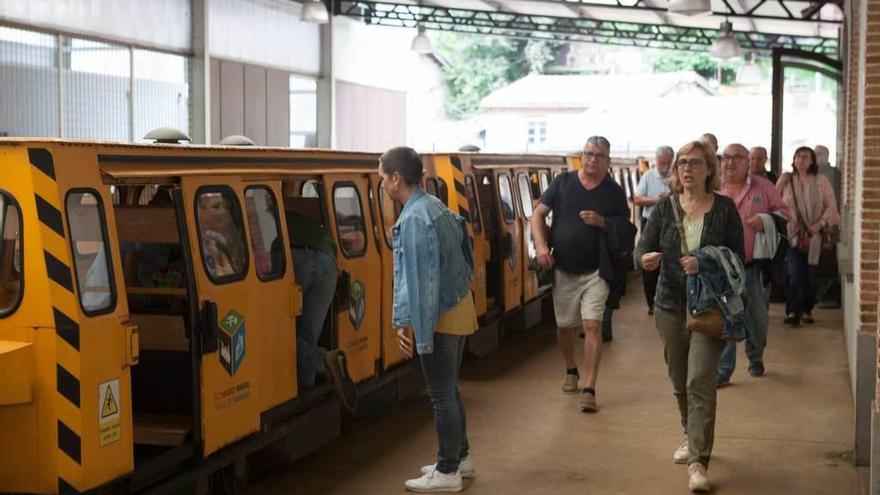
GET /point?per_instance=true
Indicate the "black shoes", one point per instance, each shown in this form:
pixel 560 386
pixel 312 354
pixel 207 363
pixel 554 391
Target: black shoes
pixel 807 318
pixel 793 319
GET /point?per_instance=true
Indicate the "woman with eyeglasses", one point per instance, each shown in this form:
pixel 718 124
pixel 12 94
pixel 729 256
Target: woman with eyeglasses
pixel 709 219
pixel 810 199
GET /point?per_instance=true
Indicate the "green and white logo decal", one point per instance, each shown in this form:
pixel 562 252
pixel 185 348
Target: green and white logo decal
pixel 357 303
pixel 232 341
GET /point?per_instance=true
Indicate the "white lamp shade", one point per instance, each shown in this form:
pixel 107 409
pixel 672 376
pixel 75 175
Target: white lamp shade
pixel 749 73
pixel 690 7
pixel 421 43
pixel 315 11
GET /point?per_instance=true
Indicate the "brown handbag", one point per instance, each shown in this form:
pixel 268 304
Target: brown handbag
pixel 710 322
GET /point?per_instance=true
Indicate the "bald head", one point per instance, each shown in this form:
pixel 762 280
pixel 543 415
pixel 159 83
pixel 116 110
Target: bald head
pixel 821 155
pixel 735 164
pixel 757 160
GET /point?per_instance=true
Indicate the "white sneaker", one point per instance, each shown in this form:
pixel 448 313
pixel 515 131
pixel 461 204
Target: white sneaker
pixel 681 453
pixel 698 481
pixel 571 384
pixel 465 467
pixel 435 481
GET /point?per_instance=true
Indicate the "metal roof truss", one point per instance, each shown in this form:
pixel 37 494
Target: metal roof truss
pixel 664 34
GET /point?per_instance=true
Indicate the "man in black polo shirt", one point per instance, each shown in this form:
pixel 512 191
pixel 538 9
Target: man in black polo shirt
pixel 588 209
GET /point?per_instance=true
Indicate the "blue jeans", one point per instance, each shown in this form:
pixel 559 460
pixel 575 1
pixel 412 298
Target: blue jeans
pixel 801 283
pixel 757 306
pixel 441 376
pixel 315 272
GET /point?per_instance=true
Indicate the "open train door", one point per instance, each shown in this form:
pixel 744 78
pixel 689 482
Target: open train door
pixel 230 403
pixel 511 241
pixel 388 212
pixel 359 290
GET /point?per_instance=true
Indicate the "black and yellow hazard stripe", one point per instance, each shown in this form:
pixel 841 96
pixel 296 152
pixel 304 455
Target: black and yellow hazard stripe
pixel 460 192
pixel 65 314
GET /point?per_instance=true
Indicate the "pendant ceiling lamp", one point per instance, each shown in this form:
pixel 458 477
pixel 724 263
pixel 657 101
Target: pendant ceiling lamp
pixel 725 46
pixel 690 7
pixel 315 12
pixel 421 43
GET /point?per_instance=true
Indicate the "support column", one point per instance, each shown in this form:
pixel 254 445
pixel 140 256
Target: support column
pixel 327 88
pixel 200 74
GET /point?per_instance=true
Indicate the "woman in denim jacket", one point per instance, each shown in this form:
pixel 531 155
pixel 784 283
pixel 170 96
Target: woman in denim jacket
pixel 431 243
pixel 709 219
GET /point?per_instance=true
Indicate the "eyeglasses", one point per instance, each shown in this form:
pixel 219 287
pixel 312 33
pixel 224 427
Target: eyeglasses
pixel 692 163
pixel 732 158
pixel 589 155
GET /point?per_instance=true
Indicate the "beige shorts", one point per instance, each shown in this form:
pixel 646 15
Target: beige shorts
pixel 578 297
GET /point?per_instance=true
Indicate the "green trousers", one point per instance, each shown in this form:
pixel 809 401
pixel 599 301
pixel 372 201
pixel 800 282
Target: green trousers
pixel 692 363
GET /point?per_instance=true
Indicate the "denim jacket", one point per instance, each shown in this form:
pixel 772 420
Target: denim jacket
pixel 431 245
pixel 721 281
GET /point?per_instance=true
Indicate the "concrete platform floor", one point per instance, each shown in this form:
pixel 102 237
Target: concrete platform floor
pixel 790 432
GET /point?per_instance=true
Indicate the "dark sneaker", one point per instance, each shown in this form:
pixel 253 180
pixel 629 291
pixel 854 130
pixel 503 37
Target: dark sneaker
pixel 607 337
pixel 651 311
pixel 756 369
pixel 722 381
pixel 807 318
pixel 792 319
pixel 337 370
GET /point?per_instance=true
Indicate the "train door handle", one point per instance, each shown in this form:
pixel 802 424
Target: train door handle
pixel 209 327
pixel 131 342
pixel 343 290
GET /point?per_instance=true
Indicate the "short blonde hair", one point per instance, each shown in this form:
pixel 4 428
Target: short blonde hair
pixel 713 182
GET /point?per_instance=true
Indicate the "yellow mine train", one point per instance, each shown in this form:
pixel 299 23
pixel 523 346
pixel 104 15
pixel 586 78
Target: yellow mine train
pixel 139 354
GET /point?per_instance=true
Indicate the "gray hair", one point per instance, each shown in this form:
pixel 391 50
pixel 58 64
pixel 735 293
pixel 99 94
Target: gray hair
pixel 664 150
pixel 599 141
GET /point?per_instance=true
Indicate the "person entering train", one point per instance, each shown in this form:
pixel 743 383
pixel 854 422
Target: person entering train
pixel 432 318
pixel 590 210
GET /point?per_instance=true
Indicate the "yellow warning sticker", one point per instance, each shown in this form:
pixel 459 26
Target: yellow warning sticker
pixel 109 418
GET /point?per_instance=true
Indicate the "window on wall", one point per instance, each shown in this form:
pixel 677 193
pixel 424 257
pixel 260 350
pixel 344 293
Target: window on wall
pixel 97 86
pixel 161 92
pixel 266 241
pixel 88 238
pixel 100 101
pixel 537 132
pixel 28 83
pixel 350 225
pixel 303 112
pixel 221 234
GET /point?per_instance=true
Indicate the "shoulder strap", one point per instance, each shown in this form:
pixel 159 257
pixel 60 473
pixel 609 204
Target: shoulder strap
pixel 797 208
pixel 678 225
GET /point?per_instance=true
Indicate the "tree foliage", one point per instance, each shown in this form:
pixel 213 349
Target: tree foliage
pixel 699 62
pixel 478 65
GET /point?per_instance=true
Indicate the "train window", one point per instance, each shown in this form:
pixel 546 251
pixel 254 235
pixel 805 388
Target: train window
pixel 11 279
pixel 544 179
pixel 437 189
pixel 88 238
pixel 310 189
pixel 350 227
pixel 389 214
pixel 262 213
pixel 525 194
pixel 221 234
pixel 443 191
pixel 506 195
pixel 472 205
